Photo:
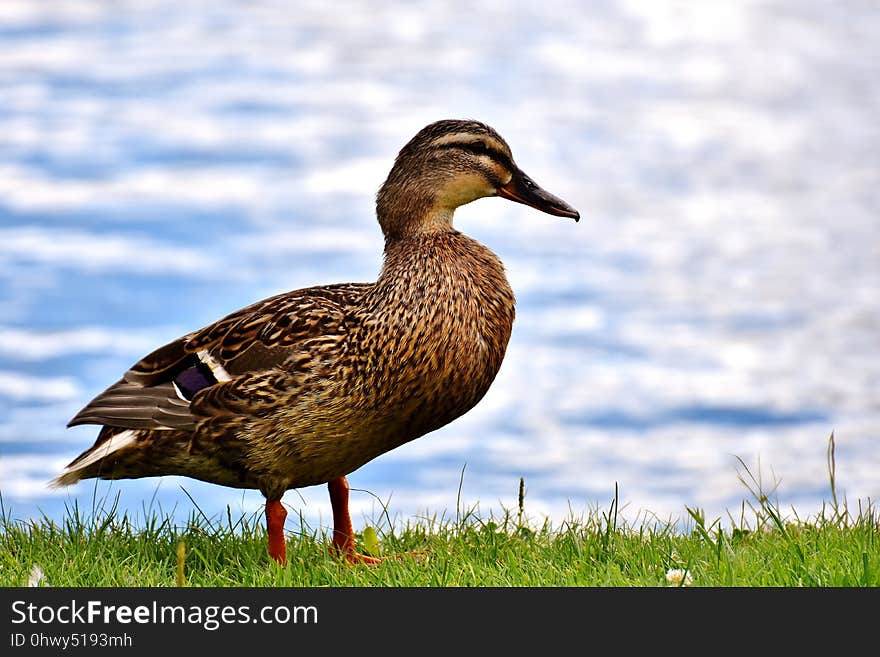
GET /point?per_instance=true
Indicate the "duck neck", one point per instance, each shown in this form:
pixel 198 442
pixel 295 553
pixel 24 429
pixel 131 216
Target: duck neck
pixel 406 208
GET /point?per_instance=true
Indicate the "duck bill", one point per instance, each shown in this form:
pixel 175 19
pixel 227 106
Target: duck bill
pixel 523 189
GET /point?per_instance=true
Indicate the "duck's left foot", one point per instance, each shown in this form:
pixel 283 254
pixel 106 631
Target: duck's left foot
pixel 343 547
pixel 343 533
pixel 352 556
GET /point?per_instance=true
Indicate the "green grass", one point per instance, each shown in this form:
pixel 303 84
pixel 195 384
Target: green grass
pixel 757 547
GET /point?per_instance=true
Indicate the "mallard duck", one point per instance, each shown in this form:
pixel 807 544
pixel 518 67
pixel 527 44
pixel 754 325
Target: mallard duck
pixel 305 387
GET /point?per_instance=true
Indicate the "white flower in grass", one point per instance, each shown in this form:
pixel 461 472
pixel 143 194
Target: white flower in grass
pixel 37 577
pixel 679 577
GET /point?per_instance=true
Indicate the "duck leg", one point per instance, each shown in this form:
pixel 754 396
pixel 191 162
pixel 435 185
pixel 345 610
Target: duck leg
pixel 275 516
pixel 343 532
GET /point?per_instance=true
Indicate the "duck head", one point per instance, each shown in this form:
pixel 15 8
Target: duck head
pixel 450 163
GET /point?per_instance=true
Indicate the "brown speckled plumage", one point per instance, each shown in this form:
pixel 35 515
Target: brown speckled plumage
pixel 305 387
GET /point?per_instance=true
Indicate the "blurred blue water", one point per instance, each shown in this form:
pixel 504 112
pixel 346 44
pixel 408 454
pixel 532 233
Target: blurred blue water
pixel 161 166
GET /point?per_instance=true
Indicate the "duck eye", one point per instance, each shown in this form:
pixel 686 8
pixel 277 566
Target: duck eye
pixel 478 147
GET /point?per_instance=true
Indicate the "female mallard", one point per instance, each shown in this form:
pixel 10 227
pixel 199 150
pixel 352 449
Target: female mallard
pixel 307 386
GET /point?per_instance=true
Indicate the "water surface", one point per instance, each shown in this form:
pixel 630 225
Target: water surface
pixel 164 164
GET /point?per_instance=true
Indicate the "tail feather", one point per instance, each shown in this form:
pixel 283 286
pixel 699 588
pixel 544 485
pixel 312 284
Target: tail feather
pixel 102 449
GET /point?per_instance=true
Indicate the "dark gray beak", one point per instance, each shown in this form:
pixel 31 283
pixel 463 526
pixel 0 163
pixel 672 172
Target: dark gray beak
pixel 523 189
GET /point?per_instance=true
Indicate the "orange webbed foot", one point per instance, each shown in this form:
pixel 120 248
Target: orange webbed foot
pixel 343 533
pixel 275 516
pixel 352 556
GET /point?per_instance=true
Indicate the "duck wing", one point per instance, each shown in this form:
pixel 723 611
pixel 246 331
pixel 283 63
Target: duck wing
pixel 230 367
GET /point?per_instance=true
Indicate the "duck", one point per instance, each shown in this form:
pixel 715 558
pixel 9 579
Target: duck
pixel 305 387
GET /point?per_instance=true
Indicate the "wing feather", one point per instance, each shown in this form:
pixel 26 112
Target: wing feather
pixel 175 387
